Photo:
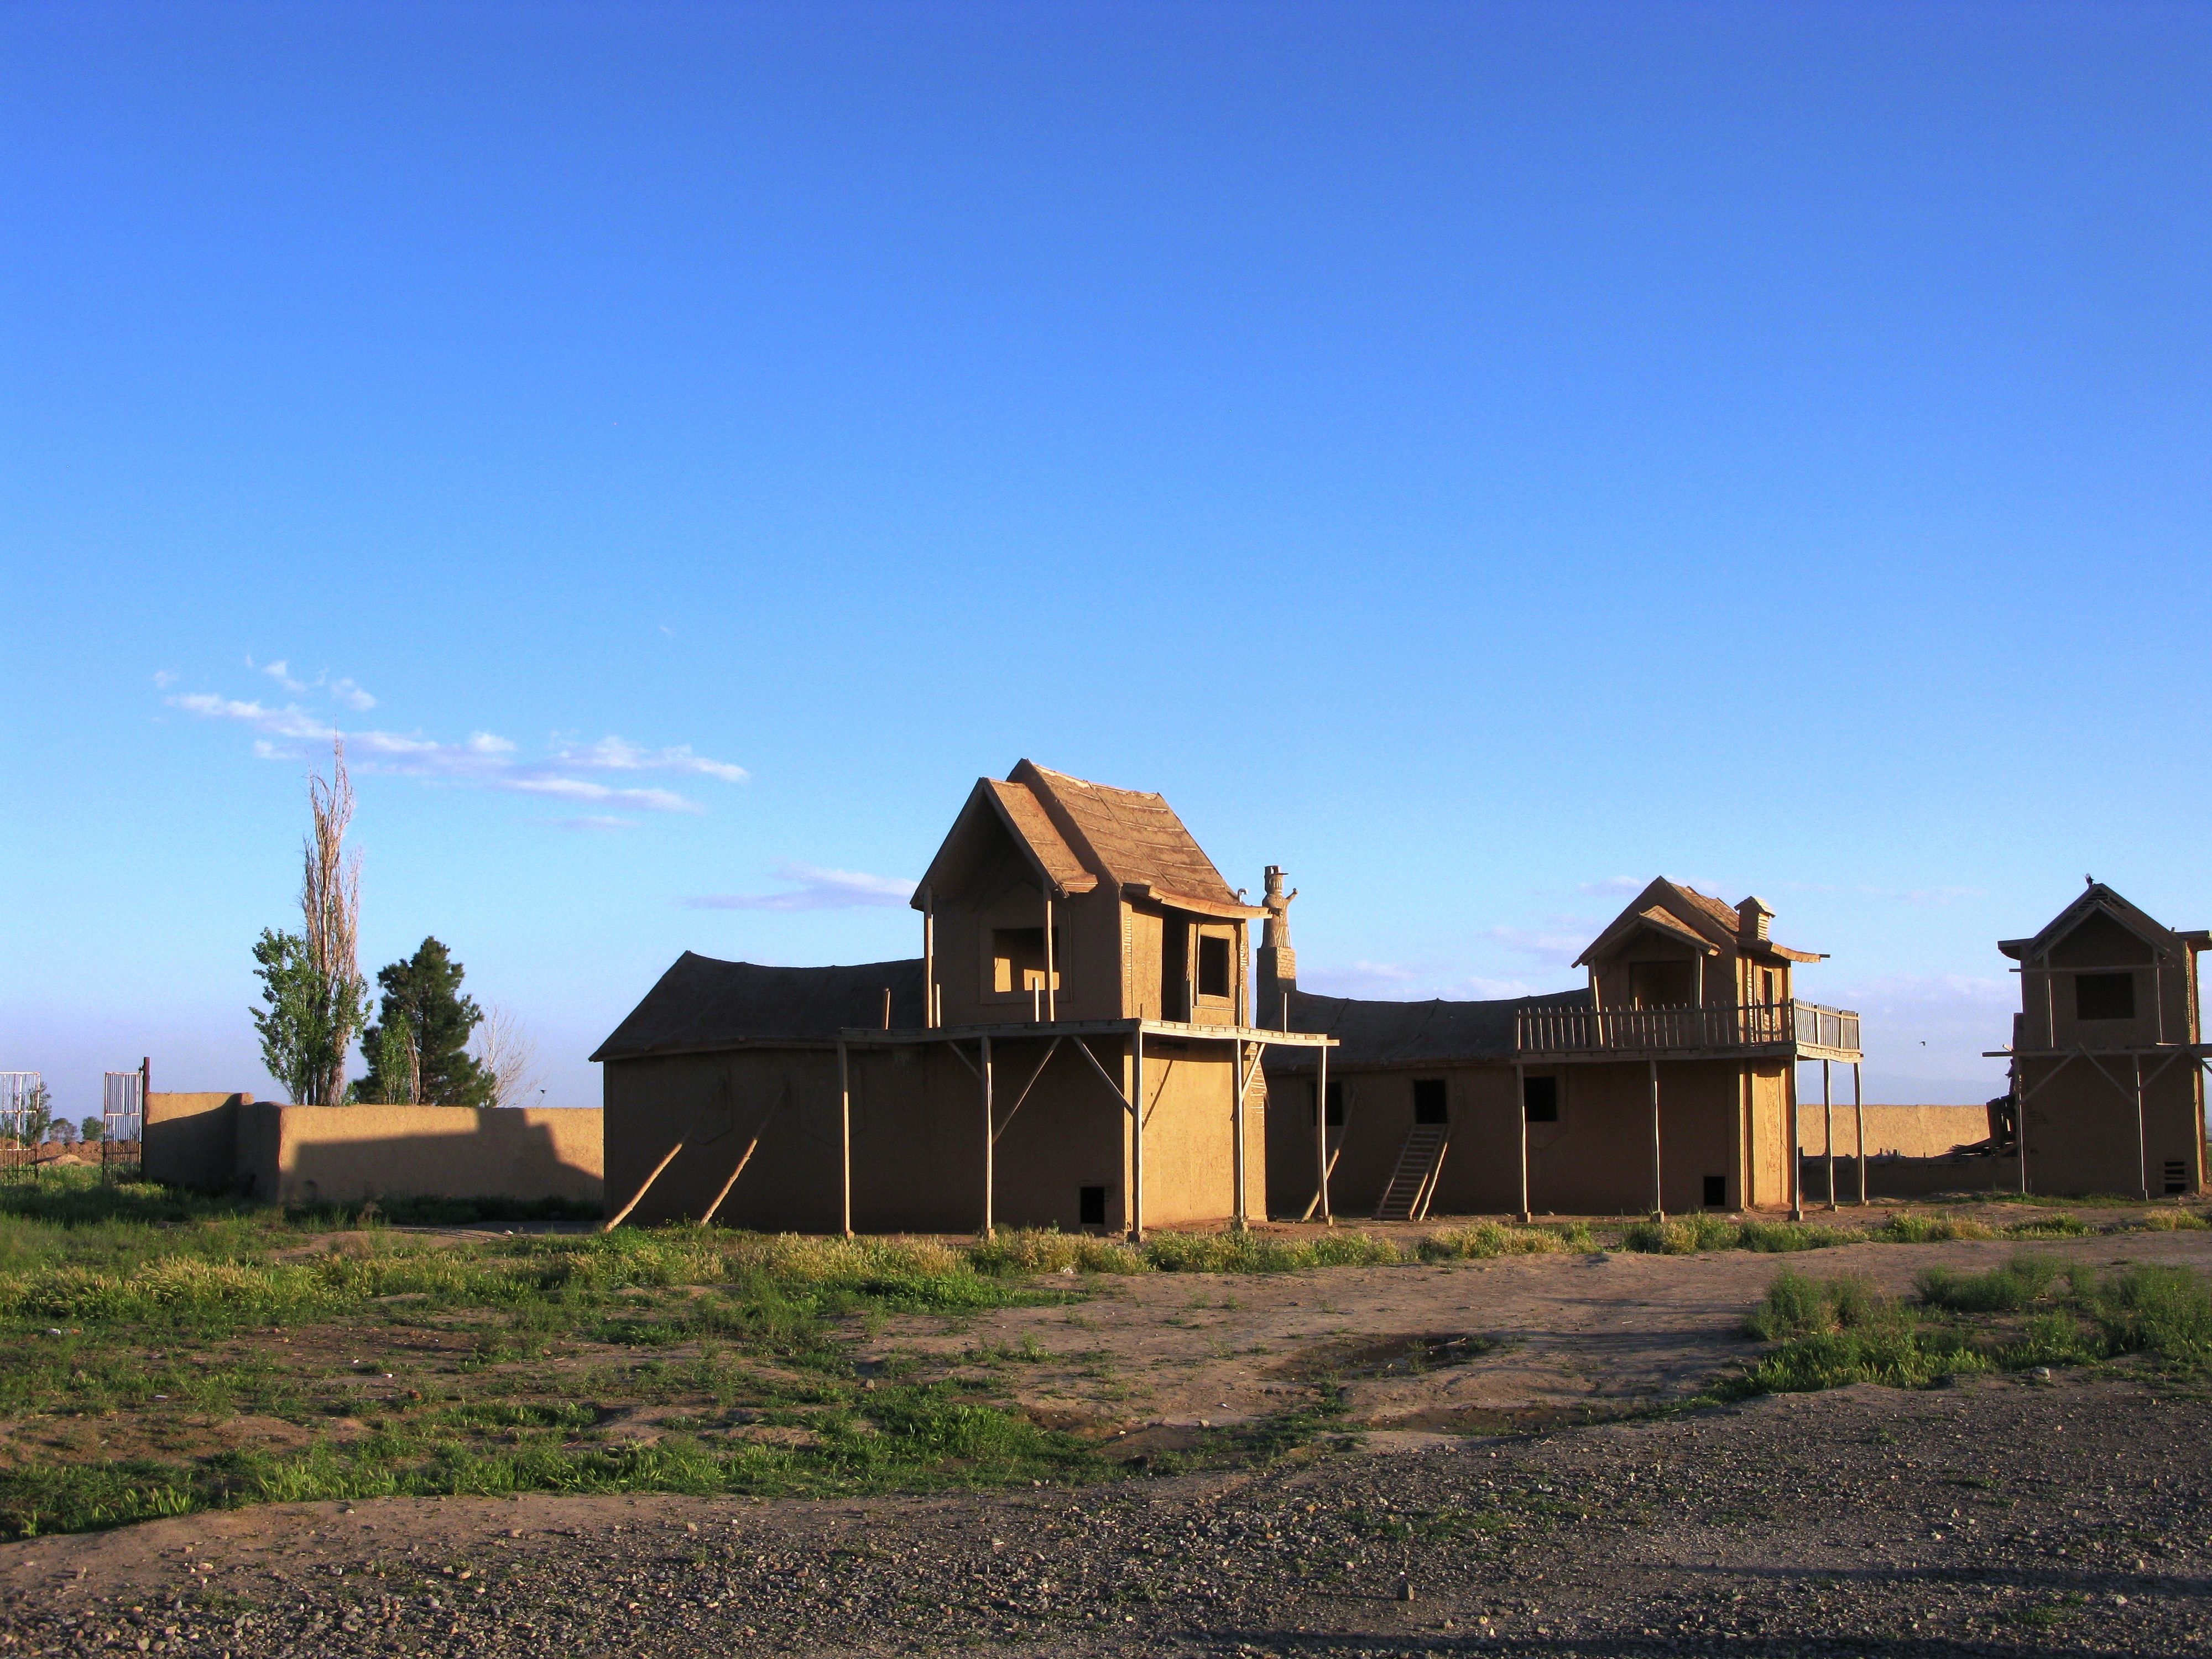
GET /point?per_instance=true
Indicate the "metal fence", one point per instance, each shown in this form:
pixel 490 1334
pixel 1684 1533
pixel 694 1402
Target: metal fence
pixel 22 1103
pixel 122 1120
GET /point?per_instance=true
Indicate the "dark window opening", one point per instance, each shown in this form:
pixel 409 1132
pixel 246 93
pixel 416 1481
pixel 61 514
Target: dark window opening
pixel 1335 1103
pixel 1766 985
pixel 1430 1103
pixel 1716 1192
pixel 2177 1177
pixel 1540 1099
pixel 1018 959
pixel 1212 967
pixel 1090 1206
pixel 2104 996
pixel 1662 984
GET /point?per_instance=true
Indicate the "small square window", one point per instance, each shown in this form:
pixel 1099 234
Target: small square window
pixel 1716 1191
pixel 1090 1206
pixel 2177 1177
pixel 1430 1101
pixel 2104 996
pixel 1540 1099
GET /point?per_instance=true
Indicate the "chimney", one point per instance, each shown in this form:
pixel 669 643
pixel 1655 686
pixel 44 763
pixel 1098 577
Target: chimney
pixel 1278 962
pixel 1752 917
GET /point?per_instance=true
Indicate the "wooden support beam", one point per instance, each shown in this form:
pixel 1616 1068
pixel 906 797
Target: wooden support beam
pixel 744 1159
pixel 1320 1133
pixel 1137 1137
pixel 1828 1128
pixel 1237 1137
pixel 1521 1112
pixel 1792 1138
pixel 1858 1111
pixel 1049 1049
pixel 1658 1166
pixel 844 1141
pixel 990 1139
pixel 621 1215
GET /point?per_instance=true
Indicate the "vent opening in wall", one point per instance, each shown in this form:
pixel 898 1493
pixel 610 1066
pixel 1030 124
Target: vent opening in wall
pixel 1213 966
pixel 1540 1099
pixel 1716 1192
pixel 1335 1103
pixel 1089 1207
pixel 2177 1177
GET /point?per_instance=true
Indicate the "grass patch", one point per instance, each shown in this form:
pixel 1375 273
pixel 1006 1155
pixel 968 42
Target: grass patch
pixel 1831 1333
pixel 1484 1240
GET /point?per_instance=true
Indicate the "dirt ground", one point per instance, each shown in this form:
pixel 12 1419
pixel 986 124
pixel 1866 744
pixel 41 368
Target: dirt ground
pixel 2007 1517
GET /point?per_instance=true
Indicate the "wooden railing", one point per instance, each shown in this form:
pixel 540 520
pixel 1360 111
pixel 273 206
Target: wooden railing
pixel 1752 1025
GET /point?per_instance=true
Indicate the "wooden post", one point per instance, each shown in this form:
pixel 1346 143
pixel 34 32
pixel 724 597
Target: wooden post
pixel 990 1154
pixel 1828 1128
pixel 621 1215
pixel 2020 1119
pixel 1658 1172
pixel 887 1007
pixel 2142 1151
pixel 1236 1131
pixel 1858 1111
pixel 1321 1129
pixel 1520 1110
pixel 1136 1136
pixel 844 1141
pixel 1051 995
pixel 1796 1165
pixel 929 958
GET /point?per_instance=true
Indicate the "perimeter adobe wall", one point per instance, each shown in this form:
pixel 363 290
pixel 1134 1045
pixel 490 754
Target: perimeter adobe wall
pixel 1892 1131
pixel 349 1154
pixel 192 1137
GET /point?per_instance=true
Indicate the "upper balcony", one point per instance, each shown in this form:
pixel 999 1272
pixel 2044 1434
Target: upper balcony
pixel 1802 1031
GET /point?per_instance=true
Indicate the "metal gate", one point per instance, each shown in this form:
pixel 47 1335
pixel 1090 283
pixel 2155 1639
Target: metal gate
pixel 22 1108
pixel 122 1120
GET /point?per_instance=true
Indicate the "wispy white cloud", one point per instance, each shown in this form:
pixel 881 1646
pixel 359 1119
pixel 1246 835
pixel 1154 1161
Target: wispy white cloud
pixel 483 760
pixel 811 888
pixel 597 824
pixel 1556 949
pixel 613 755
pixel 280 672
pixel 164 679
pixel 1620 886
pixel 351 694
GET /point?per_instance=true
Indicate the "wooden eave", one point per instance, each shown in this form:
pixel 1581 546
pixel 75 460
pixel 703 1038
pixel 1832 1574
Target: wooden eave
pixel 1203 907
pixel 2158 938
pixel 1661 921
pixel 1016 811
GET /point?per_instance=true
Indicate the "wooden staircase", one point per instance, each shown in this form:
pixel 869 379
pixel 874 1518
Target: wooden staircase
pixel 1413 1182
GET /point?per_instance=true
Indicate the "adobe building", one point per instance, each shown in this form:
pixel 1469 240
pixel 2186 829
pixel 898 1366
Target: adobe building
pixel 2106 1053
pixel 1073 1048
pixel 1668 1083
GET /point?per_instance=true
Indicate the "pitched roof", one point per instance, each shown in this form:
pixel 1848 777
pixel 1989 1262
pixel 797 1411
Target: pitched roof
pixel 1687 915
pixel 1133 837
pixel 1410 1033
pixel 1076 833
pixel 702 1003
pixel 2097 896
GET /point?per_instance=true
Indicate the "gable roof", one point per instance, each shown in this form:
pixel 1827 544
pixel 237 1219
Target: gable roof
pixel 1433 1033
pixel 2099 898
pixel 1075 834
pixel 1684 914
pixel 703 1004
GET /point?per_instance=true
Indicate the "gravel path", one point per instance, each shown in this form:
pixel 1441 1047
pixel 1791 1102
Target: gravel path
pixel 2000 1518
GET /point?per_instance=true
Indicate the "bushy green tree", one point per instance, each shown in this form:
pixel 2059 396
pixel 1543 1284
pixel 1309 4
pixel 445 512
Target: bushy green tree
pixel 310 1018
pixel 95 1128
pixel 423 1004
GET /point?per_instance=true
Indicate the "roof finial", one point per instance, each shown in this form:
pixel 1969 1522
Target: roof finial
pixel 2089 881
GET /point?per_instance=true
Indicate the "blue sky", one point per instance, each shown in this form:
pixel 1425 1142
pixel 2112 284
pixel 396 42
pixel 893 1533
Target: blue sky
pixel 1477 455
